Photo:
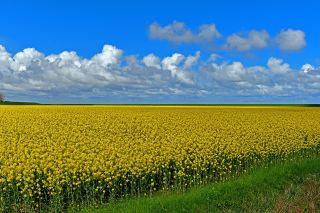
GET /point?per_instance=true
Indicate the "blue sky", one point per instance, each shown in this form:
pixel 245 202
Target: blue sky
pixel 258 48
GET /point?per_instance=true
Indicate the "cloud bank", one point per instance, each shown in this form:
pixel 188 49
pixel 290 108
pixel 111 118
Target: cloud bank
pixel 111 74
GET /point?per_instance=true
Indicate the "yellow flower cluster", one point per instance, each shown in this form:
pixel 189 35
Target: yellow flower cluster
pixel 112 150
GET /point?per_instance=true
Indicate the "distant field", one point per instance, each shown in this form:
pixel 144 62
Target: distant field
pixel 57 156
pixel 217 105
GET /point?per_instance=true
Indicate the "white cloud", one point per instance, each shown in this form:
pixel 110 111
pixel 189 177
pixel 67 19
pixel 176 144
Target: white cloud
pixel 112 74
pixel 254 40
pixel 152 61
pixel 5 58
pixel 286 40
pixel 306 68
pixel 178 32
pixel 207 33
pixel 132 60
pixel 172 63
pixel 191 60
pixel 234 72
pixel 235 79
pixel 67 73
pixel 277 66
pixel 110 55
pixel 65 58
pixel 25 58
pixel 291 40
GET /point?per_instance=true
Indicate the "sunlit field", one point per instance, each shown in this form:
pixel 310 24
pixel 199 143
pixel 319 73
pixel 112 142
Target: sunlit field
pixel 62 155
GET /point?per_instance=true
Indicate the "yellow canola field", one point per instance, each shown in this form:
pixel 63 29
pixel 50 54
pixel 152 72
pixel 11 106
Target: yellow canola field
pixel 48 150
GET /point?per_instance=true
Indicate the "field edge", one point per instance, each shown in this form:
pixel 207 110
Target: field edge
pixel 258 190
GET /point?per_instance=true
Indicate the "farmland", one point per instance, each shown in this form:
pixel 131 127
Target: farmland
pixel 61 155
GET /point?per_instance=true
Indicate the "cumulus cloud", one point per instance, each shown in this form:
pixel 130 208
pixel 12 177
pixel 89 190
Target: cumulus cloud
pixel 172 63
pixel 306 68
pixel 191 60
pixel 234 72
pixel 33 72
pixel 277 66
pixel 25 58
pixel 113 74
pixel 152 61
pixel 254 40
pixel 178 32
pixel 291 40
pixel 276 79
pixel 286 40
pixel 5 58
pixel 109 55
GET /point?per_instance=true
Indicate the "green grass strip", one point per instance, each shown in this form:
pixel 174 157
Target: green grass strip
pixel 256 191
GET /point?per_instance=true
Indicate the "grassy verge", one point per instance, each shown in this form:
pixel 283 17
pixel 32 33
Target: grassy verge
pixel 289 186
